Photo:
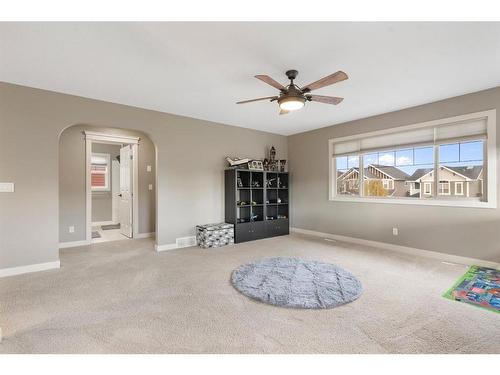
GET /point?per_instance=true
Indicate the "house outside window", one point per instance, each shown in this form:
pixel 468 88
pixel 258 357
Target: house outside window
pixel 456 155
pixel 100 172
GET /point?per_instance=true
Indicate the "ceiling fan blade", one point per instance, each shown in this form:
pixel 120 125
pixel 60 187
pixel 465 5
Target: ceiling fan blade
pixel 284 112
pixel 326 81
pixel 258 99
pixel 270 81
pixel 326 99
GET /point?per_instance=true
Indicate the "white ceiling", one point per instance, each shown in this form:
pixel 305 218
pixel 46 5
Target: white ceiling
pixel 201 69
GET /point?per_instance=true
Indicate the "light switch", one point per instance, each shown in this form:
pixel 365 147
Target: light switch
pixel 150 186
pixel 6 187
pixel 148 168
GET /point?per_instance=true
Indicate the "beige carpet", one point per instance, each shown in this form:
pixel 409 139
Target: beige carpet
pixel 122 297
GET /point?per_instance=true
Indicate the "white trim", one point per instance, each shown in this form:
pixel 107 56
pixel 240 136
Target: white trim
pixel 145 235
pixel 470 203
pixel 444 182
pixel 91 137
pixel 4 272
pixel 426 184
pixel 99 223
pixel 110 138
pixel 401 249
pixel 64 245
pixel 169 246
pixel 88 189
pixel 461 183
pixel 135 190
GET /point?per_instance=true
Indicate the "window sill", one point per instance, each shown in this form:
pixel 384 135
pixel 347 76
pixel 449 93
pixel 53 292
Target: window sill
pixel 418 202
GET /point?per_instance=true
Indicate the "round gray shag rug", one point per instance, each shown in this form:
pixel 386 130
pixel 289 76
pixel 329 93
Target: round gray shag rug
pixel 298 283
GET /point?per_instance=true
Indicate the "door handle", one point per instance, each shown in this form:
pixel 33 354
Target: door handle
pixel 119 195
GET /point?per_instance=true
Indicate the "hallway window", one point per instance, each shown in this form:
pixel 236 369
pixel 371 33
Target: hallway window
pixel 99 172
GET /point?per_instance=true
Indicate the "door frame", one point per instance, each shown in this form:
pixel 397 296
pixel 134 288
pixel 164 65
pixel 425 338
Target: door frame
pixel 94 137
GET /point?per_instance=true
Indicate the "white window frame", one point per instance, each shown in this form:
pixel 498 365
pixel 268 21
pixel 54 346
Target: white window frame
pixel 107 174
pixel 461 184
pixel 489 165
pixel 388 184
pixel 427 191
pixel 446 184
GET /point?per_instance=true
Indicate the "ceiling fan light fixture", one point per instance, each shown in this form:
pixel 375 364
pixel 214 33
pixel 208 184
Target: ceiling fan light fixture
pixel 291 103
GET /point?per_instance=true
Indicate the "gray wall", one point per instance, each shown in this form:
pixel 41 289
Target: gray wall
pixel 470 232
pixel 72 182
pixel 102 201
pixel 190 163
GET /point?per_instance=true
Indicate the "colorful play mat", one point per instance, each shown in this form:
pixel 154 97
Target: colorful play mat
pixel 480 286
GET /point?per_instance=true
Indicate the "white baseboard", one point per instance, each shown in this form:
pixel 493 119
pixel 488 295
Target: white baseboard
pixel 64 245
pixel 402 249
pixel 169 246
pixel 99 223
pixel 145 235
pixel 31 268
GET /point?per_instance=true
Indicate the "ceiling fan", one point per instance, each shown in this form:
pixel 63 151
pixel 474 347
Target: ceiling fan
pixel 293 97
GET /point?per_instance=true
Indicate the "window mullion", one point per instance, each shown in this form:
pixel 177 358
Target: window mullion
pixel 361 176
pixel 435 191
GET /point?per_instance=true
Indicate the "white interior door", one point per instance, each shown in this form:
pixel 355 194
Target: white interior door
pixel 115 191
pixel 126 190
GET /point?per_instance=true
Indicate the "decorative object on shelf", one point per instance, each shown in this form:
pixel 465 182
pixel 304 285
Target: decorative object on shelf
pixel 282 165
pixel 279 200
pixel 242 203
pixel 282 217
pixel 255 184
pixel 214 235
pixel 266 164
pixel 256 165
pixel 254 218
pixel 281 185
pixel 240 183
pixel 272 160
pixel 270 218
pixel 253 203
pixel 269 182
pixel 237 162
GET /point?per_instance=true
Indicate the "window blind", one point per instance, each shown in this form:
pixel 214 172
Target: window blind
pixel 429 135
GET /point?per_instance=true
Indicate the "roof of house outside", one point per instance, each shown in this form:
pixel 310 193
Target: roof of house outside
pixel 391 171
pixel 471 172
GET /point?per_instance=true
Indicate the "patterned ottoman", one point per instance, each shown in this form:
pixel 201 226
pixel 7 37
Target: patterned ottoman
pixel 214 235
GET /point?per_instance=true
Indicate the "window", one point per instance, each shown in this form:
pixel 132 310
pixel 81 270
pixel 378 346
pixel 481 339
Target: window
pixel 99 172
pixel 427 188
pixel 462 163
pixel 444 187
pixel 441 162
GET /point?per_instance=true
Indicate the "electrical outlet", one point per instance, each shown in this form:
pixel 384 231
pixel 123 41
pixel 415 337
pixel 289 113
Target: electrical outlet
pixel 150 186
pixel 71 229
pixel 395 231
pixel 148 168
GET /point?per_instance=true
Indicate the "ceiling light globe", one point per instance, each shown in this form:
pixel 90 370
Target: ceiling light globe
pixel 291 103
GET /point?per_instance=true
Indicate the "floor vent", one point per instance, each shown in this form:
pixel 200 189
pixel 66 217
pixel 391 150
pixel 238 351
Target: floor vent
pixel 185 241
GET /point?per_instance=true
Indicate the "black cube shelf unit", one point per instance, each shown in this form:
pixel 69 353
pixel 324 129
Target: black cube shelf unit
pixel 256 202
